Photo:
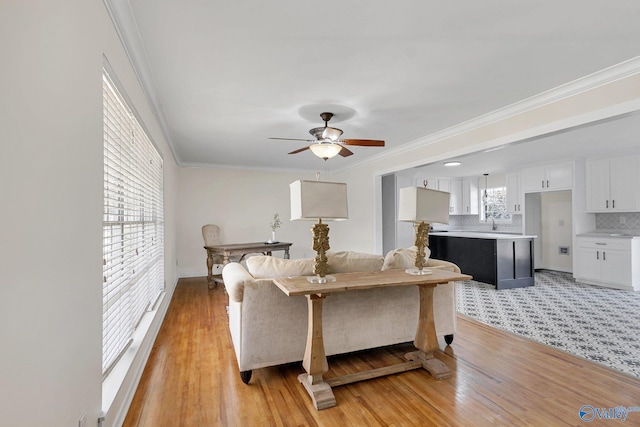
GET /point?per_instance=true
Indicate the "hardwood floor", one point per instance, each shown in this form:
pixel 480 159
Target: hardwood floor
pixel 499 379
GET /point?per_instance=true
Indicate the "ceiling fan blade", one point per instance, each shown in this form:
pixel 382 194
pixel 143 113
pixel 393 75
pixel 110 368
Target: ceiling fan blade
pixel 295 139
pixel 345 152
pixel 363 142
pixel 299 150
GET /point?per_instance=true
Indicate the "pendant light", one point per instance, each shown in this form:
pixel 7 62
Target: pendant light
pixel 485 198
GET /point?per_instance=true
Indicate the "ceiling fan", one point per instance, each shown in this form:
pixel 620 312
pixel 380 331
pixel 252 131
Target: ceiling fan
pixel 328 143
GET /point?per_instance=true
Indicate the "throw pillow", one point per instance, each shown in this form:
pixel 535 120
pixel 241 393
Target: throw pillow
pixel 265 267
pixel 403 258
pixel 348 261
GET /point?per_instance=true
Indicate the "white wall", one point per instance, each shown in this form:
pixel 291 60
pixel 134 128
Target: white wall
pixel 242 203
pixel 557 230
pixel 51 216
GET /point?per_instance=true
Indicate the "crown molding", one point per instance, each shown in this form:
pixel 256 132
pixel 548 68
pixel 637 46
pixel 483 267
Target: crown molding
pixel 125 24
pixel 608 75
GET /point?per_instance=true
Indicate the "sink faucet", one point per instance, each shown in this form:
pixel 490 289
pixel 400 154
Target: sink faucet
pixel 494 227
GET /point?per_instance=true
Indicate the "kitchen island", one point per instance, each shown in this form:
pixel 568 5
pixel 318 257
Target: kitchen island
pixel 501 259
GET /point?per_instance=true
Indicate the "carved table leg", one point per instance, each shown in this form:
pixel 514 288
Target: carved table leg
pixel 315 360
pixel 426 340
pixel 210 283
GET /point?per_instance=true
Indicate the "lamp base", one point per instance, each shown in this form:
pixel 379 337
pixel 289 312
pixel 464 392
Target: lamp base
pixel 318 279
pixel 416 272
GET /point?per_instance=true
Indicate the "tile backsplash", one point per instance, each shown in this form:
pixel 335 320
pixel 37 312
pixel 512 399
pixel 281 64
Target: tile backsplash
pixel 612 221
pixel 604 221
pixel 472 222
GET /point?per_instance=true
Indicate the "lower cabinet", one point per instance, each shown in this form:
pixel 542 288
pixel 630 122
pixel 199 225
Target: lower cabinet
pixel 506 262
pixel 608 262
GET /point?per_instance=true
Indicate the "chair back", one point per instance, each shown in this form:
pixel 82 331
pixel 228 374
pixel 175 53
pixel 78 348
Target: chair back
pixel 211 234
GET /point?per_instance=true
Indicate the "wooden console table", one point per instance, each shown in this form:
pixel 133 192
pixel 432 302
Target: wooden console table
pixel 242 249
pixel 315 360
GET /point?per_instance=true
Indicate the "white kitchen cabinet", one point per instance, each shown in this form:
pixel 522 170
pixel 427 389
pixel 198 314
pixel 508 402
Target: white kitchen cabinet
pixel 470 196
pixel 454 188
pixel 515 197
pixel 612 185
pixel 547 178
pixel 608 262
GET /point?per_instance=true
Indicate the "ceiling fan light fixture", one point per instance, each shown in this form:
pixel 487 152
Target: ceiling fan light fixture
pixel 325 150
pixel 332 133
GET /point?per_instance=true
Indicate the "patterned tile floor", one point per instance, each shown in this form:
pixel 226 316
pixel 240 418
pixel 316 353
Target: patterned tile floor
pixel 598 324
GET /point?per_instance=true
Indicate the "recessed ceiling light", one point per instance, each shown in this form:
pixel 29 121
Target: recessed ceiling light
pixel 453 164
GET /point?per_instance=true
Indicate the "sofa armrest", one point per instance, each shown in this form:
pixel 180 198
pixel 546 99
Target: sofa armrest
pixel 236 277
pixel 445 265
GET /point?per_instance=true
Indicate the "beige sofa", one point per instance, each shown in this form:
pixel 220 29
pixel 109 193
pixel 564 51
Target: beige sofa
pixel 269 328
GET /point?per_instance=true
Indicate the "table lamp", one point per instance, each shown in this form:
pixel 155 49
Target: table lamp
pixel 423 207
pixel 318 200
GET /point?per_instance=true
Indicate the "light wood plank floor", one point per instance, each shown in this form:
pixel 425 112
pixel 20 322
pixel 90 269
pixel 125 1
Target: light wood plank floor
pixel 499 379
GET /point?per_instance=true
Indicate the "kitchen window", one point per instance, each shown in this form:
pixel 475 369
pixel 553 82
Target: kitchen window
pixel 494 205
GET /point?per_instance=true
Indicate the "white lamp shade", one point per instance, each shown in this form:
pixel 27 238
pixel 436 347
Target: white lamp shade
pixel 313 200
pixel 423 204
pixel 326 150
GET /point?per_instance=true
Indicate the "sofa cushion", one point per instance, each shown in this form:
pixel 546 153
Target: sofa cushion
pixel 348 262
pixel 264 266
pixel 403 258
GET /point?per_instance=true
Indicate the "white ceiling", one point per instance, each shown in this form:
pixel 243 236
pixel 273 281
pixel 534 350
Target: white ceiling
pixel 225 76
pixel 619 136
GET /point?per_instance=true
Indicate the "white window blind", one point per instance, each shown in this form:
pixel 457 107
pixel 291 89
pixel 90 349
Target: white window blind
pixel 133 228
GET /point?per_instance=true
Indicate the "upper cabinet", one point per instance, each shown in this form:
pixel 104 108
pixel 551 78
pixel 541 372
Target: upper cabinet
pixel 613 185
pixel 515 202
pixel 454 188
pixel 463 198
pixel 547 178
pixel 470 196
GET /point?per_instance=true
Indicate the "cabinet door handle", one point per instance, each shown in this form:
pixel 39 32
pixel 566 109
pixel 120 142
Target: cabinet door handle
pixel 597 254
pixel 547 183
pixel 515 207
pixel 543 183
pixel 604 256
pixel 518 206
pixel 607 204
pixel 613 204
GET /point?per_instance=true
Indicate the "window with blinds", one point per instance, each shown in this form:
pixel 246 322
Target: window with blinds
pixel 133 228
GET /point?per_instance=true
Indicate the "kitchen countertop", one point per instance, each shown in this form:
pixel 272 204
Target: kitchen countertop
pixel 481 235
pixel 619 234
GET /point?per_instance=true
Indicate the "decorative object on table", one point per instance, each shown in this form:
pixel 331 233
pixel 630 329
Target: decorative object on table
pixel 318 200
pixel 328 143
pixel 274 226
pixel 423 207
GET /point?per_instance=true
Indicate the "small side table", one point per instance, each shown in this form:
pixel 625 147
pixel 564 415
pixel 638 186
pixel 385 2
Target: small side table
pixel 242 249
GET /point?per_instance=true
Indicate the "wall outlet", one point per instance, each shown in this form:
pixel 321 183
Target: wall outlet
pixel 564 250
pixel 216 269
pixel 623 220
